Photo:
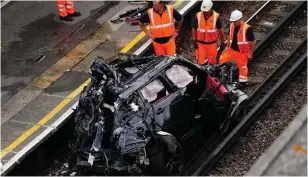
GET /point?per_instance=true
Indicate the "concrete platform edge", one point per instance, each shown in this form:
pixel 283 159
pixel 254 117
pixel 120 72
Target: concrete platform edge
pixel 41 138
pixel 37 141
pixel 263 163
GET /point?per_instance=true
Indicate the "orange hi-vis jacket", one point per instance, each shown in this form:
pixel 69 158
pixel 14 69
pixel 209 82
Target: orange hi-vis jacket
pixel 207 30
pixel 242 42
pixel 162 26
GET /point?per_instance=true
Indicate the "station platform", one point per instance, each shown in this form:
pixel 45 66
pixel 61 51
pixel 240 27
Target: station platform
pixel 287 156
pixel 45 65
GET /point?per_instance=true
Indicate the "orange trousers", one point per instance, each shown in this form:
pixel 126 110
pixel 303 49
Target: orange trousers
pixel 65 7
pixel 208 51
pixel 241 59
pixel 168 48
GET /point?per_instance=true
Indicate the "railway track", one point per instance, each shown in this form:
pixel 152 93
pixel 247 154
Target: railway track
pixel 289 61
pixel 270 27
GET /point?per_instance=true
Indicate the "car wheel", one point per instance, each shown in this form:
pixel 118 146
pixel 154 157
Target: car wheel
pixel 164 163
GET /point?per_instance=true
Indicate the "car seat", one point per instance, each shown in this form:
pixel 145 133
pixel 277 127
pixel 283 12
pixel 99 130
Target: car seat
pixel 195 88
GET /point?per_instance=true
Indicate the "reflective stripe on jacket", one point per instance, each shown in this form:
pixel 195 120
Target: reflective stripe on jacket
pixel 242 42
pixel 207 30
pixel 162 25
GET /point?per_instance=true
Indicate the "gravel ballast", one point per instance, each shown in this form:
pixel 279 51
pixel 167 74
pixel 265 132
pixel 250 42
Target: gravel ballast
pixel 238 160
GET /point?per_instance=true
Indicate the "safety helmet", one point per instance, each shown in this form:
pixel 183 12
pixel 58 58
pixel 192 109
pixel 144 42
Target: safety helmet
pixel 236 15
pixel 206 5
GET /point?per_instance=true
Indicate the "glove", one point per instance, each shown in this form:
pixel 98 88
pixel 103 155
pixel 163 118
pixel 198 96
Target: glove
pixel 222 46
pixel 195 44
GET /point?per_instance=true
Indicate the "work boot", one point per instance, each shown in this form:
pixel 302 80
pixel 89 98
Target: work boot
pixel 66 18
pixel 75 14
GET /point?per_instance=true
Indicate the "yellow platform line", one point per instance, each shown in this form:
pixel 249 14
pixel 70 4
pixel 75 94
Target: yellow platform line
pixel 142 34
pixel 60 106
pixel 44 120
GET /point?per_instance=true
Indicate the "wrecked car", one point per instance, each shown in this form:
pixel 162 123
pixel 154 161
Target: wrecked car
pixel 132 116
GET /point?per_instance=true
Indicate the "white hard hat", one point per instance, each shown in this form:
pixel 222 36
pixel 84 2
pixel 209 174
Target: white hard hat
pixel 206 5
pixel 236 15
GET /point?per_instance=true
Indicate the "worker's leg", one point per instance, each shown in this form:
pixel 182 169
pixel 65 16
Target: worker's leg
pixel 242 60
pixel 200 54
pixel 158 49
pixel 61 8
pixel 211 52
pixel 226 56
pixel 70 8
pixel 170 47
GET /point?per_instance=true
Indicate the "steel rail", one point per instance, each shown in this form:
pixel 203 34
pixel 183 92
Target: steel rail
pixel 255 14
pixel 278 71
pixel 280 26
pixel 236 132
pixel 64 118
pixel 207 146
pixel 147 44
pixel 252 115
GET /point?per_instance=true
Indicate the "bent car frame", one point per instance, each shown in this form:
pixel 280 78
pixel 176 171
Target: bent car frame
pixel 132 117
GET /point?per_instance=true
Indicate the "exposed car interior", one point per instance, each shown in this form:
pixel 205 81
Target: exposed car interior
pixel 154 91
pixel 186 79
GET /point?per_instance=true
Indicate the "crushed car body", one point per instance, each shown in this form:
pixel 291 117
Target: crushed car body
pixel 131 117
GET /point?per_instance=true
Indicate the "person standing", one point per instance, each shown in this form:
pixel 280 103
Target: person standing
pixel 162 28
pixel 66 10
pixel 240 45
pixel 205 30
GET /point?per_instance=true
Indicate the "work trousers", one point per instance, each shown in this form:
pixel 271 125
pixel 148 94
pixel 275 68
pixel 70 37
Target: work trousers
pixel 65 7
pixel 206 52
pixel 168 48
pixel 241 59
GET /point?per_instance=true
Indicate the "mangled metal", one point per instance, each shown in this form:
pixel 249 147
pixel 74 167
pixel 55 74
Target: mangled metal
pixel 121 119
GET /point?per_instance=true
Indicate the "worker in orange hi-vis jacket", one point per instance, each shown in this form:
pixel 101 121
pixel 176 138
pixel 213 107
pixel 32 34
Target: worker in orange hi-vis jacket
pixel 240 45
pixel 206 27
pixel 162 29
pixel 66 10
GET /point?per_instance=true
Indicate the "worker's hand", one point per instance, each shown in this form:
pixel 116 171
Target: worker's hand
pixel 195 44
pixel 175 34
pixel 149 34
pixel 249 56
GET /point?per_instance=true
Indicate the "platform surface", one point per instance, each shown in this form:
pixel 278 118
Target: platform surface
pixel 287 156
pixel 45 62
